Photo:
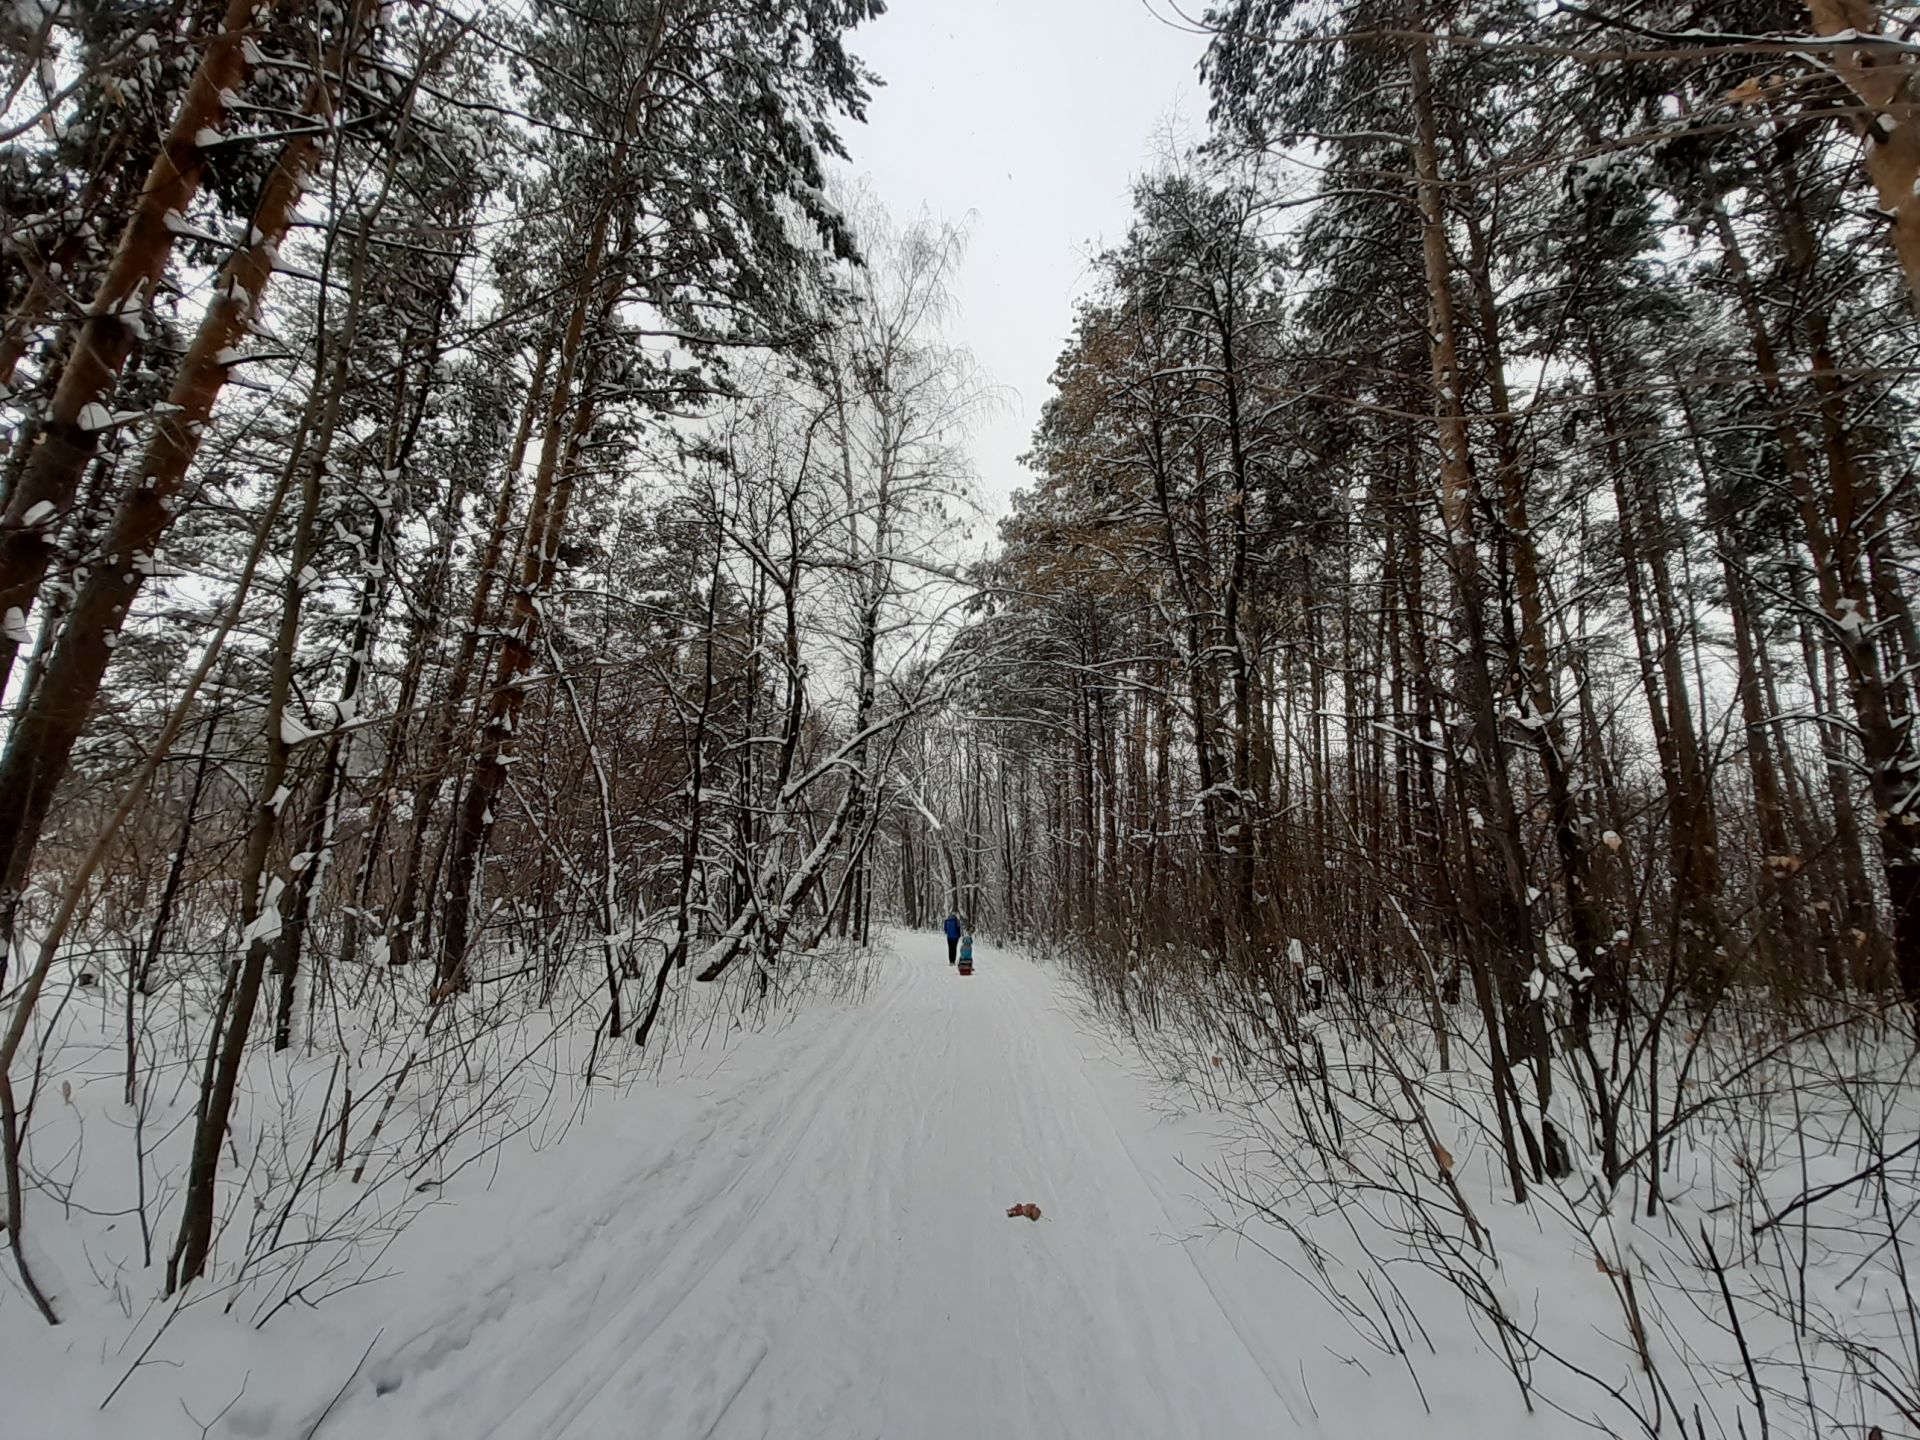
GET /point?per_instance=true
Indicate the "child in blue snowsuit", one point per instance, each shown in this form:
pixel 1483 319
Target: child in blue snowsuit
pixel 953 936
pixel 966 951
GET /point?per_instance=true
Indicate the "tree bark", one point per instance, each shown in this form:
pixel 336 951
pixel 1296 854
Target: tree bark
pixel 68 436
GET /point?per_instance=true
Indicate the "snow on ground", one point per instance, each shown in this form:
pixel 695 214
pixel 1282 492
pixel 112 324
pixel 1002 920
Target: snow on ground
pixel 796 1233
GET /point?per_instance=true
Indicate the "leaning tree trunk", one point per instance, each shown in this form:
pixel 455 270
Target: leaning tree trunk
pixel 403 914
pixel 41 745
pixel 568 417
pixel 1586 922
pixel 143 519
pixel 68 435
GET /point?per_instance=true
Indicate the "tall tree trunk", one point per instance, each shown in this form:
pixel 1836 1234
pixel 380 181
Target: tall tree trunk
pixel 568 420
pixel 1586 922
pixel 403 916
pixel 41 745
pixel 68 435
pixel 1505 918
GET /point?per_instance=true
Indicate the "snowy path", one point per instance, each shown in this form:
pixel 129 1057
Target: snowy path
pixel 819 1247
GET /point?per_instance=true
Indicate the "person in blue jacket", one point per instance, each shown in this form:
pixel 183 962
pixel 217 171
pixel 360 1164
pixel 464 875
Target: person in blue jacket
pixel 953 936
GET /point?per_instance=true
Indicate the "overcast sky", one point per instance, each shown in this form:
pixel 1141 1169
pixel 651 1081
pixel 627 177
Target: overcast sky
pixel 1026 119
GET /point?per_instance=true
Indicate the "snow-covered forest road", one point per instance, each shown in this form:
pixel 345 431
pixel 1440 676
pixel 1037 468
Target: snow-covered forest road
pixel 795 1232
pixel 800 1229
pixel 816 1244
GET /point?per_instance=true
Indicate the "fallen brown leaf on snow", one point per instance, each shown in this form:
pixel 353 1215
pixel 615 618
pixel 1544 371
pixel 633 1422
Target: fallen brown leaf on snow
pixel 1032 1212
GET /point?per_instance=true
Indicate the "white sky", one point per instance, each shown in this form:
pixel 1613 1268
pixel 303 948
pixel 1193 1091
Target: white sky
pixel 1026 120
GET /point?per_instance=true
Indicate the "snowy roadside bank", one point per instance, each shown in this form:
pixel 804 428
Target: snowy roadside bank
pixel 359 1192
pixel 1762 1288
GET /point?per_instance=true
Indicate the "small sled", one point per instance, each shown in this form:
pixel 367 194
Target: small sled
pixel 966 967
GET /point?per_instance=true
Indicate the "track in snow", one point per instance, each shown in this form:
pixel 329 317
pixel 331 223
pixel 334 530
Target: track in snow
pixel 818 1246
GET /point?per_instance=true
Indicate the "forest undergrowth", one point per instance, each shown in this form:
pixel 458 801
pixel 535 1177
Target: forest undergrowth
pixel 1745 1269
pixel 338 1145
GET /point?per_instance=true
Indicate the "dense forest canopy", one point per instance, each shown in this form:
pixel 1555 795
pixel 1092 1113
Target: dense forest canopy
pixel 1470 525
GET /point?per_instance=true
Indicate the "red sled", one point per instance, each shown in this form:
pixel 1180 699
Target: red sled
pixel 966 967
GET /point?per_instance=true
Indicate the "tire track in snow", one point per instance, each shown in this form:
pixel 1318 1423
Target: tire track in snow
pixel 819 1251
